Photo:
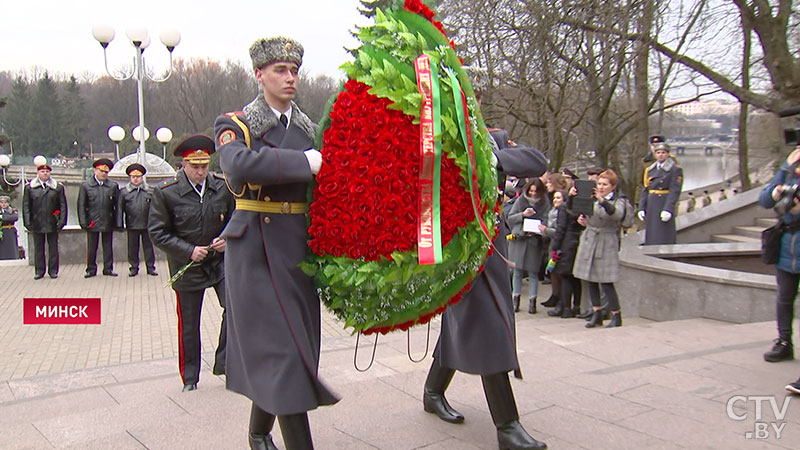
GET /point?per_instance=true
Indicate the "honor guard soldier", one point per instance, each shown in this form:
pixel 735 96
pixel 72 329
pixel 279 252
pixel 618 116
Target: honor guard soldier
pixel 44 213
pixel 97 205
pixel 8 232
pixel 132 211
pixel 663 181
pixel 266 154
pixel 187 216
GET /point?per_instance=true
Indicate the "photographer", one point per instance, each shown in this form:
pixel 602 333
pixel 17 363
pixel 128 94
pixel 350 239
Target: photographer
pixel 788 265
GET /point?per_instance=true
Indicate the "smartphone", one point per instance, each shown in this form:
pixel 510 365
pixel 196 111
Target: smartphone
pixel 583 203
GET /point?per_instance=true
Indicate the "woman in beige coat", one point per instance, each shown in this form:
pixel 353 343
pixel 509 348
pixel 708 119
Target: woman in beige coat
pixel 597 260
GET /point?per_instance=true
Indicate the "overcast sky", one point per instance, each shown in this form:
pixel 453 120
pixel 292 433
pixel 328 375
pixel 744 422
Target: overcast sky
pixel 57 35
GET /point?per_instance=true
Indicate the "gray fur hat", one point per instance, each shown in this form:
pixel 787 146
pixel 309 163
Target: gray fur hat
pixel 5 198
pixel 277 48
pixel 479 78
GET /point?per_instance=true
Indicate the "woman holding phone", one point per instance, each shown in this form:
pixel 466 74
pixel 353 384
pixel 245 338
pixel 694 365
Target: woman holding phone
pixel 526 249
pixel 597 260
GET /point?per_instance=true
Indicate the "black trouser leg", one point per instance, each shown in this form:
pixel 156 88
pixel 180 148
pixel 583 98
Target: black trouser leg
pixel 190 306
pixel 567 288
pixel 219 356
pixel 577 289
pixel 433 399
pixel 52 253
pixel 296 432
pixel 149 254
pixel 787 291
pixel 261 423
pixel 38 254
pixel 133 249
pixel 610 294
pixel 92 240
pixel 108 251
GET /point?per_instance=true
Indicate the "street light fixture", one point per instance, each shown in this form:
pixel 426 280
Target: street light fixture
pixel 5 161
pixel 164 135
pixel 139 38
pixel 116 133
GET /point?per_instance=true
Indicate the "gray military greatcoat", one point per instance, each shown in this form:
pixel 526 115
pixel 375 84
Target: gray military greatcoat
pixel 660 194
pixel 273 307
pixel 478 334
pixel 597 259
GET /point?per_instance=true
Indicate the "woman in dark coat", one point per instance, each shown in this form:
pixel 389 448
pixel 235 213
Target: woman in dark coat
pixel 8 235
pixel 527 249
pixel 563 247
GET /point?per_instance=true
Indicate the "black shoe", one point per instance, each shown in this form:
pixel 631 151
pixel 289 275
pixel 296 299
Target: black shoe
pixel 189 387
pixel 781 351
pixel 54 275
pixel 568 313
pixel 437 404
pixel 110 274
pixel 552 301
pixel 794 388
pixel 133 273
pixel 584 315
pixel 532 305
pixel 219 369
pixel 38 277
pixel 515 300
pixel 596 320
pixel 89 274
pixel 152 272
pixel 512 436
pixel 616 320
pixel 557 311
pixel 261 441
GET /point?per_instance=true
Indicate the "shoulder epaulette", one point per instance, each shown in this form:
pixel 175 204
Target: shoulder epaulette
pixel 235 113
pixel 217 176
pixel 169 183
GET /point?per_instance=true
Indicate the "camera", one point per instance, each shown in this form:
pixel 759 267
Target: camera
pixel 789 193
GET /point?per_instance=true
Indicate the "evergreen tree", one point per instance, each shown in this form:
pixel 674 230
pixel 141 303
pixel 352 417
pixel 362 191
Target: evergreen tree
pixel 17 117
pixel 76 120
pixel 48 137
pixel 3 136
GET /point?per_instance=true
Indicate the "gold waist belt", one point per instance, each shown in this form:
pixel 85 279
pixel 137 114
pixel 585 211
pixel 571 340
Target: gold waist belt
pixel 659 191
pixel 271 207
pixel 8 226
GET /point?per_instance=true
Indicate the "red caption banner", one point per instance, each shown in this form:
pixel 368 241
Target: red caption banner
pixel 61 311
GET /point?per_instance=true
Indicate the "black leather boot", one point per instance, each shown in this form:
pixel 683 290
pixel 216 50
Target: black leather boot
pixel 616 320
pixel 782 350
pixel 552 301
pixel 515 299
pixel 585 315
pixel 511 435
pixel 433 400
pixel 532 305
pixel 296 432
pixel 261 423
pixel 569 313
pixel 557 311
pixel 596 320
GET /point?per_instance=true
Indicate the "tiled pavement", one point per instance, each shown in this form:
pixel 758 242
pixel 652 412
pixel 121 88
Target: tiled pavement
pixel 645 385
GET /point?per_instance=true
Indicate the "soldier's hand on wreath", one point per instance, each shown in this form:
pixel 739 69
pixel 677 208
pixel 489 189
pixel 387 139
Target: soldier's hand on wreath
pixel 199 254
pixel 314 160
pixel 218 244
pixel 641 215
pixel 665 216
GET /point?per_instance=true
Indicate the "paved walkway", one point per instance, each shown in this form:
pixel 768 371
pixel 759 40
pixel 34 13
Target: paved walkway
pixel 645 385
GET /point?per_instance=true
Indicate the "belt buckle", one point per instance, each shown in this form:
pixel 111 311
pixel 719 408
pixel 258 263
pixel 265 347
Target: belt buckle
pixel 285 208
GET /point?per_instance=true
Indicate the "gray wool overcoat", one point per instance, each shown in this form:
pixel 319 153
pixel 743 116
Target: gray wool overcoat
pixel 597 259
pixel 273 307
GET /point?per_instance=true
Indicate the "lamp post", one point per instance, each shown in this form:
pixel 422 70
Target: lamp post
pixel 139 38
pixel 116 133
pixel 5 161
pixel 164 135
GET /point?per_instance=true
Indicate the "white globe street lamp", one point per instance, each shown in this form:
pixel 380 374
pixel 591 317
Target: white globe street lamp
pixel 164 135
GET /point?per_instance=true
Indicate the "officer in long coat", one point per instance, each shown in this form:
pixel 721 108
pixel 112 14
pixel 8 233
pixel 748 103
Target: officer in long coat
pixel 187 216
pixel 132 211
pixel 44 214
pixel 8 235
pixel 97 205
pixel 274 310
pixel 478 334
pixel 663 181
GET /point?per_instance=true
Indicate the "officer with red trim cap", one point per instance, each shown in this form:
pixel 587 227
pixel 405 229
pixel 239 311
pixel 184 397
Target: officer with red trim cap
pixel 132 211
pixel 97 206
pixel 44 213
pixel 187 216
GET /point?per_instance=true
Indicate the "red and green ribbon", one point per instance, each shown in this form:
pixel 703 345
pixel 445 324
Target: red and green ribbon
pixel 429 234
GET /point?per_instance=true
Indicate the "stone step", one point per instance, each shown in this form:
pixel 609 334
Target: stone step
pixel 733 238
pixel 766 222
pixel 753 231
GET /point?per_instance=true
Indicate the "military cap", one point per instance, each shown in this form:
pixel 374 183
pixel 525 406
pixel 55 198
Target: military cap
pixel 656 138
pixel 278 48
pixel 136 169
pixel 5 198
pixel 103 164
pixel 195 149
pixel 568 173
pixel 44 167
pixel 661 146
pixel 479 78
pixel 594 171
